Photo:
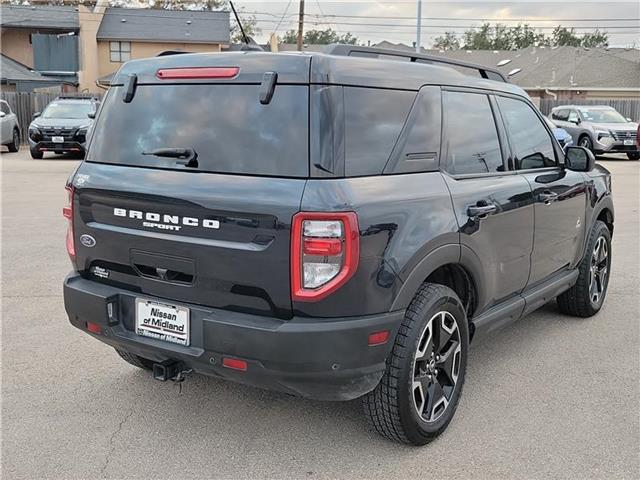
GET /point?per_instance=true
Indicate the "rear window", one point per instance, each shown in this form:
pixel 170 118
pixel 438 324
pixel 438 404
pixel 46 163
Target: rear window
pixel 226 125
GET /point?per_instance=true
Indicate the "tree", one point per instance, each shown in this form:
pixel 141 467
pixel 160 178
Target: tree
pixel 449 41
pixel 563 36
pixel 595 39
pixel 319 37
pixel 501 37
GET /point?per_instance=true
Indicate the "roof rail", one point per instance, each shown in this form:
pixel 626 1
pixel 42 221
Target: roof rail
pixel 77 96
pixel 374 52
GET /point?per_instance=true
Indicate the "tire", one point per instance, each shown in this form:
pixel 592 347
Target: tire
pixel 36 155
pixel 581 299
pixel 633 155
pixel 396 407
pixel 135 360
pixel 14 146
pixel 585 141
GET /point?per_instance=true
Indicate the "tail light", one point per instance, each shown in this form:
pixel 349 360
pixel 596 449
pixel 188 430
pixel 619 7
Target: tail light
pixel 67 211
pixel 325 248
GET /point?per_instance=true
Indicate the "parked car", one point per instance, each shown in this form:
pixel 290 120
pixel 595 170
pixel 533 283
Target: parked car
pixel 601 129
pixel 561 135
pixel 63 126
pixel 327 225
pixel 9 128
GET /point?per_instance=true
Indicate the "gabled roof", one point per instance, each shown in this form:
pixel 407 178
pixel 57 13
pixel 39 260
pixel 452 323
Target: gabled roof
pixel 151 25
pixel 556 68
pixel 13 71
pixel 46 17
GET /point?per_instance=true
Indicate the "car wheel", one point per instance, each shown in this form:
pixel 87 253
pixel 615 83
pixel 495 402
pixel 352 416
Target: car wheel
pixel 585 142
pixel 14 146
pixel 586 297
pixel 135 360
pixel 35 154
pixel 420 388
pixel 633 155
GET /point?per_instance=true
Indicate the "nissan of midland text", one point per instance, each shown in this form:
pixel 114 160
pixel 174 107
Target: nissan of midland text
pixel 331 225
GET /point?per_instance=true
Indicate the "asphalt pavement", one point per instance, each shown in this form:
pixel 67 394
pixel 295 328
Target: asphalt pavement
pixel 548 397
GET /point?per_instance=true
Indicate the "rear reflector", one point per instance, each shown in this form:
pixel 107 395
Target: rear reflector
pixel 195 73
pixel 67 212
pixel 94 327
pixel 235 364
pixel 378 338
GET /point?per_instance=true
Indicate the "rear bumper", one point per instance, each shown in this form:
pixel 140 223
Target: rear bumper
pixel 323 359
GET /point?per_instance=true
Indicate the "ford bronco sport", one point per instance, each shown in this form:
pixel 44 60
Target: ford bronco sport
pixel 333 226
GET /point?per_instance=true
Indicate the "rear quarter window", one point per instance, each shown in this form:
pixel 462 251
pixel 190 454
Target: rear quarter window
pixel 373 121
pixel 228 127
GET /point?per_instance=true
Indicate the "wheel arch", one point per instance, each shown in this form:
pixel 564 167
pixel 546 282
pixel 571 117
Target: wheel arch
pixel 447 265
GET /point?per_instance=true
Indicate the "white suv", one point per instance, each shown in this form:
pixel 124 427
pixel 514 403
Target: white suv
pixel 9 129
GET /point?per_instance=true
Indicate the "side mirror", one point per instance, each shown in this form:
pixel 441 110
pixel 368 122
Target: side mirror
pixel 91 114
pixel 576 121
pixel 2 114
pixel 36 115
pixel 629 120
pixel 579 159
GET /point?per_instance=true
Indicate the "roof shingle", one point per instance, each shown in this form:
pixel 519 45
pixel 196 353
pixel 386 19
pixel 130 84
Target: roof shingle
pixel 180 26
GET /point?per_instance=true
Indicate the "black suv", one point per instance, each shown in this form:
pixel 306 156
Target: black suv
pixel 333 226
pixel 63 126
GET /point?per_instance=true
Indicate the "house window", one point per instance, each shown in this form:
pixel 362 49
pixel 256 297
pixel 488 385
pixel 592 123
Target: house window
pixel 119 51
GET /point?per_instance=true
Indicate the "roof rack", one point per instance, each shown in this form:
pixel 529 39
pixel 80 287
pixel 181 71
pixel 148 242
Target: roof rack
pixel 77 96
pixel 374 52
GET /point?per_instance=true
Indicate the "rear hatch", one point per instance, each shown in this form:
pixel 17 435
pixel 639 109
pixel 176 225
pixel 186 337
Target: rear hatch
pixel 213 230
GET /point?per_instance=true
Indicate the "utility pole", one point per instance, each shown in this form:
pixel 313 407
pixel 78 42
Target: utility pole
pixel 300 25
pixel 419 26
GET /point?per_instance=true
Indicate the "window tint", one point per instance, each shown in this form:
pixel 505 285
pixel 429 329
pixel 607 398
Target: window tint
pixel 5 108
pixel 530 140
pixel 227 126
pixel 561 115
pixel 373 121
pixel 472 137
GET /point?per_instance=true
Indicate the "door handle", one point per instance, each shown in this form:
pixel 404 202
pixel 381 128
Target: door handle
pixel 547 197
pixel 481 211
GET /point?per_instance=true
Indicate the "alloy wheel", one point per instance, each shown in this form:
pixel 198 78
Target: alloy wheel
pixel 436 366
pixel 599 270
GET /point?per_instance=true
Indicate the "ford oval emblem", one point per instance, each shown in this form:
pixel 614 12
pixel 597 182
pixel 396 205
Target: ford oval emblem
pixel 87 240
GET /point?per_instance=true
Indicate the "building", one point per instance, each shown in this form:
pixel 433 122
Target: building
pixel 17 77
pixel 84 45
pixel 559 73
pixel 39 44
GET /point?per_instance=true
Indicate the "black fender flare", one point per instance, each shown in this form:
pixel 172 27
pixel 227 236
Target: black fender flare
pixel 442 255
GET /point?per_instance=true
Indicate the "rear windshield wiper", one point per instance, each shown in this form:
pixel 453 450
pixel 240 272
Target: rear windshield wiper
pixel 188 154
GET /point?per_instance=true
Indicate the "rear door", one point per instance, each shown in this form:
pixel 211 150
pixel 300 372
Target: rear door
pixel 493 205
pixel 215 232
pixel 559 194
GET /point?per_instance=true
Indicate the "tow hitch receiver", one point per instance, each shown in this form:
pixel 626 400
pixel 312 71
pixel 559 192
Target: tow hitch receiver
pixel 167 370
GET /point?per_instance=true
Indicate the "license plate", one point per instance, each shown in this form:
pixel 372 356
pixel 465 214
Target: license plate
pixel 161 321
pixel 57 139
pixel 628 142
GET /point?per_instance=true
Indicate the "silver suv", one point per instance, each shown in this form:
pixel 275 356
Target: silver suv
pixel 601 129
pixel 9 129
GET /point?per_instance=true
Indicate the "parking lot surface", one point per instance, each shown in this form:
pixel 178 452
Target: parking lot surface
pixel 548 397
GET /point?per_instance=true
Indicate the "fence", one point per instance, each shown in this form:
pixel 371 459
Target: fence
pixel 24 105
pixel 628 108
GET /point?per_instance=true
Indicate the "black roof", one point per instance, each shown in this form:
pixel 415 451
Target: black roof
pixel 48 17
pixel 150 25
pixel 315 68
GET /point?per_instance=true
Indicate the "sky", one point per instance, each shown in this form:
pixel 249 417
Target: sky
pixel 395 20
